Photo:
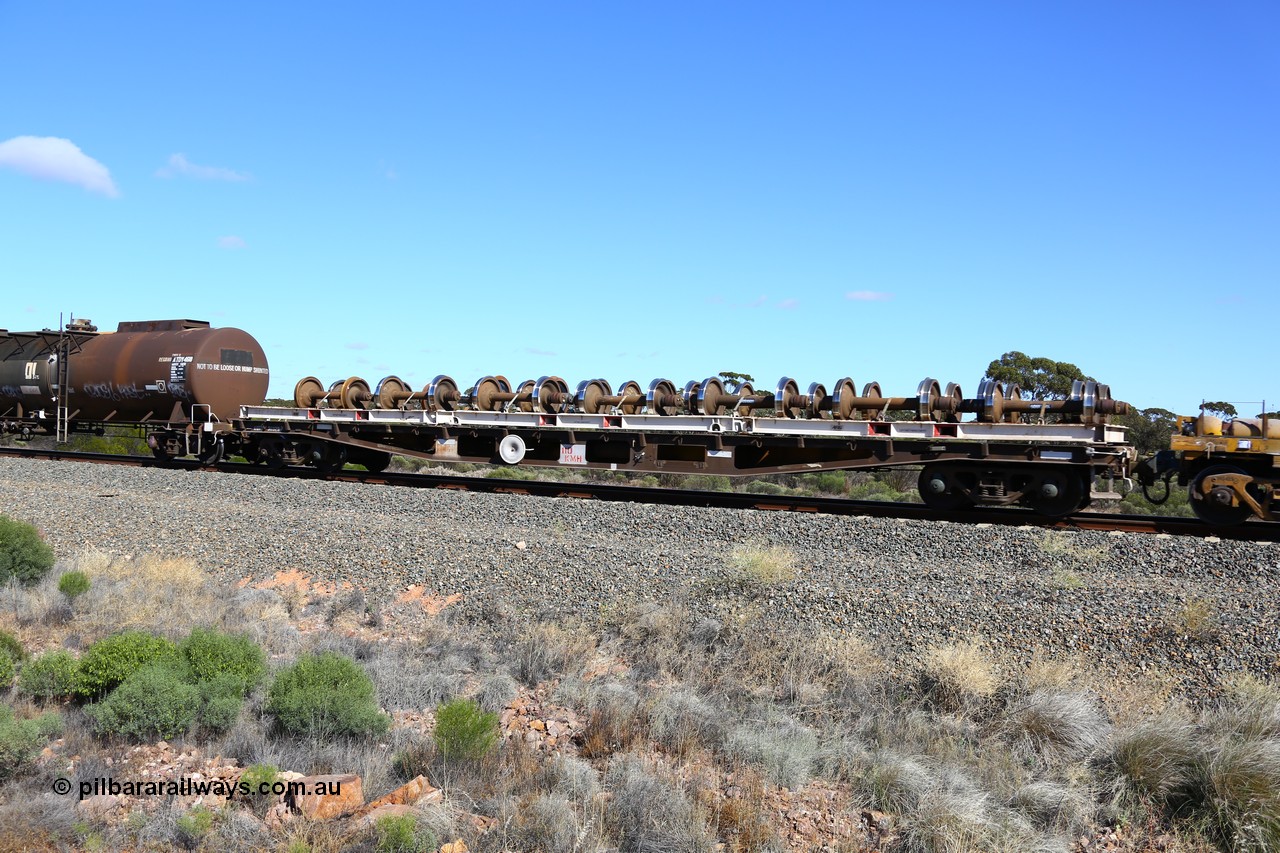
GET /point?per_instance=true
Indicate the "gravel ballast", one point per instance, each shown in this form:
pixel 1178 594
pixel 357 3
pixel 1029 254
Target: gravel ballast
pixel 1117 601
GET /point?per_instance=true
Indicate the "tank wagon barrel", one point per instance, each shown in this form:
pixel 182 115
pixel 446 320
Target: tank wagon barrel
pixel 161 371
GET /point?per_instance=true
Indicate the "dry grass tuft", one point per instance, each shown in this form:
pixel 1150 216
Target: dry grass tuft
pixel 958 676
pixel 152 593
pixel 549 651
pixel 1196 620
pixel 648 814
pixel 781 747
pixel 615 722
pixel 1059 725
pixel 1069 548
pixel 1157 757
pixel 757 568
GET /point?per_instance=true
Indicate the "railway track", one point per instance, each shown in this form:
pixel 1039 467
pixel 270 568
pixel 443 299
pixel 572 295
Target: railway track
pixel 1255 531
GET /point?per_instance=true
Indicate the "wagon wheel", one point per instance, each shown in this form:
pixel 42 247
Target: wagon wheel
pixel 307 393
pixel 631 388
pixel 391 392
pixel 940 490
pixel 441 393
pixel 1215 508
pixel 842 394
pixel 211 453
pixel 1058 493
pixel 355 393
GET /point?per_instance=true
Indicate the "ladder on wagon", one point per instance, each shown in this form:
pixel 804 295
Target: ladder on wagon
pixel 62 424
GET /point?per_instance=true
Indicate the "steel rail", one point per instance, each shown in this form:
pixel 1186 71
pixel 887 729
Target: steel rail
pixel 1258 531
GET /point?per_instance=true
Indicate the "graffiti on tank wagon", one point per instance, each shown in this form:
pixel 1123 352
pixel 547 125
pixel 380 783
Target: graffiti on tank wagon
pixel 114 392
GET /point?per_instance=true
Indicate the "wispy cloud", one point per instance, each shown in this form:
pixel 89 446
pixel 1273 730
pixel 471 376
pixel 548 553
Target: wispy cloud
pixel 231 241
pixel 357 345
pixel 868 296
pixel 180 167
pixel 788 304
pixel 51 158
pixel 758 302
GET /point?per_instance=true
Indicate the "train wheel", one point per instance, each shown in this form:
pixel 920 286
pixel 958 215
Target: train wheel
pixel 1215 508
pixel 939 489
pixel 332 460
pixel 375 463
pixel 1058 494
pixel 211 453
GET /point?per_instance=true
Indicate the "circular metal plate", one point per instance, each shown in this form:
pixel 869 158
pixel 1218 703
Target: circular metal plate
pixel 511 449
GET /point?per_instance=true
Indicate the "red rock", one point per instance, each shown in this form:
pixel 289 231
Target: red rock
pixel 343 794
pixel 98 806
pixel 410 793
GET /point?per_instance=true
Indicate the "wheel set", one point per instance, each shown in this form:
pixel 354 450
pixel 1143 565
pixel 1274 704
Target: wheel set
pixel 1089 402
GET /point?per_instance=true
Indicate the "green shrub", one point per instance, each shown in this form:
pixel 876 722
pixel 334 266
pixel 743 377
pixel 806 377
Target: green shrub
pixel 221 698
pixel 195 825
pixel 73 584
pixel 108 662
pixel 20 740
pixel 7 670
pixel 23 553
pixel 53 676
pixel 249 786
pixel 401 834
pixel 10 646
pixel 325 695
pixel 152 701
pixel 465 731
pixel 211 655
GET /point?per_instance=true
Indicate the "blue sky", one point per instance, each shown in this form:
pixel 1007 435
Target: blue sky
pixel 628 190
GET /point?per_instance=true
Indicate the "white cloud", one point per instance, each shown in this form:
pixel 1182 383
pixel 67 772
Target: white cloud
pixel 788 304
pixel 179 165
pixel 51 158
pixel 231 241
pixel 757 302
pixel 868 296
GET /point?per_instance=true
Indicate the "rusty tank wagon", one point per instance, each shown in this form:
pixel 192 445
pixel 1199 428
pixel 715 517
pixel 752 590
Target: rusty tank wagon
pixel 159 372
